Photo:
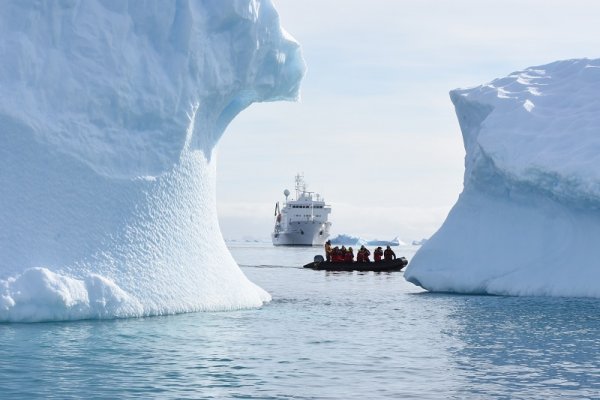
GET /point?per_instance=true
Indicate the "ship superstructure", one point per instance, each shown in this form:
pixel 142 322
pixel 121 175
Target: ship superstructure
pixel 303 221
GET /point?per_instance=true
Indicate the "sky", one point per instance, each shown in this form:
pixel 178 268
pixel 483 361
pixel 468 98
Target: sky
pixel 375 131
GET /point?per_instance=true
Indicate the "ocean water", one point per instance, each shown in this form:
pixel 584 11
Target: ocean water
pixel 324 336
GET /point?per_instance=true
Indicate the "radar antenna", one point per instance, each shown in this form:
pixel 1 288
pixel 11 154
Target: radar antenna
pixel 300 185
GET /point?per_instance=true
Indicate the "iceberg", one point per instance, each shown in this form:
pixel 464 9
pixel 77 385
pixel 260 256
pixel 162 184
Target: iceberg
pixel 394 242
pixel 110 112
pixel 527 221
pixel 345 239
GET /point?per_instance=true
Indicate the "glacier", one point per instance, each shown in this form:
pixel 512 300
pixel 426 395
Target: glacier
pixel 110 111
pixel 528 219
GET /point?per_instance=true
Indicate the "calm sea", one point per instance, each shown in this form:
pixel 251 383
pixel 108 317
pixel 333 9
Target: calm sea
pixel 324 336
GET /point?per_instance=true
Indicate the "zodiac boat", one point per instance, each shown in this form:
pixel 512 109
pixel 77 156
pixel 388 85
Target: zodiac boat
pixel 378 266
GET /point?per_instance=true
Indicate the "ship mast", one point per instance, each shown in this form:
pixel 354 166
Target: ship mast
pixel 300 185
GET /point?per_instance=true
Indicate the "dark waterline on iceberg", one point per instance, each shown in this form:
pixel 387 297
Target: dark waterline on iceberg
pixel 324 336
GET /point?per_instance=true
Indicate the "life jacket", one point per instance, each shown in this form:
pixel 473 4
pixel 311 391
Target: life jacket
pixel 349 257
pixel 366 255
pixel 388 253
pixel 377 255
pixel 360 256
pixel 336 255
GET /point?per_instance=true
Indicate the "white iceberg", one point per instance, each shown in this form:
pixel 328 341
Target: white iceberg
pixel 527 221
pixel 109 115
pixel 394 242
pixel 345 239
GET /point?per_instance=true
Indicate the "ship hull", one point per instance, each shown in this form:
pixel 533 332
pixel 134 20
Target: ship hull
pixel 302 234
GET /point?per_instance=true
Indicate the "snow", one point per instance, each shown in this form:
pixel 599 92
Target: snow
pixel 527 220
pixel 109 117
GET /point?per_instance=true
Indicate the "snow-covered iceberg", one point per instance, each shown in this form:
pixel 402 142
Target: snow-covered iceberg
pixel 110 111
pixel 528 219
pixel 394 242
pixel 346 239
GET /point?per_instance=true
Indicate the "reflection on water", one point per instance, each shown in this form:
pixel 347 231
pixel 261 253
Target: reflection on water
pixel 324 336
pixel 527 347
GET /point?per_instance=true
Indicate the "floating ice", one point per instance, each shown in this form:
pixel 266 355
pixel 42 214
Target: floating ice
pixel 394 242
pixel 528 221
pixel 109 115
pixel 346 239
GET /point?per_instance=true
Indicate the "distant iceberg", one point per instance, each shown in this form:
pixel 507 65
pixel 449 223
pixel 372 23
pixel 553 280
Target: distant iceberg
pixel 527 221
pixel 394 242
pixel 344 239
pixel 109 116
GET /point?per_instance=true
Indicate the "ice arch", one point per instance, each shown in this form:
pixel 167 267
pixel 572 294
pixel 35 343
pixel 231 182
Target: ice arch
pixel 109 114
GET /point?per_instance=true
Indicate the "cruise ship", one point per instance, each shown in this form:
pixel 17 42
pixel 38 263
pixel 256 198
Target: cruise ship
pixel 303 221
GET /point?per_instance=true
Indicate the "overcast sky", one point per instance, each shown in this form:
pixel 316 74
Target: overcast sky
pixel 375 131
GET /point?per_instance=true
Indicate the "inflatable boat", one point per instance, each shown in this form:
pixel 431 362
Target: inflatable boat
pixel 378 266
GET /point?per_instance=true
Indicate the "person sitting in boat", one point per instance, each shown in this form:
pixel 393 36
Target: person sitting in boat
pixel 363 255
pixel 388 254
pixel 377 254
pixel 343 251
pixel 360 255
pixel 349 257
pixel 336 255
pixel 367 254
pixel 328 251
